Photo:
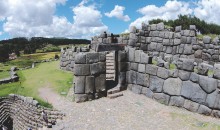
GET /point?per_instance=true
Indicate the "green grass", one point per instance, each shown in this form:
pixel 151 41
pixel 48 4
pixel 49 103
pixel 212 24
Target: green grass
pixel 200 36
pixel 154 62
pixel 44 75
pixel 26 60
pixel 4 74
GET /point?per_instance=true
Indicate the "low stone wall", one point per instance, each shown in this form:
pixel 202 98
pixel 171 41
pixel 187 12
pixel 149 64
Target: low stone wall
pixel 25 113
pixel 181 87
pixel 67 57
pixel 13 76
pixel 90 76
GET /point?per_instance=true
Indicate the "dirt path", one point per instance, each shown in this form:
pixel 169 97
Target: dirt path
pixel 129 112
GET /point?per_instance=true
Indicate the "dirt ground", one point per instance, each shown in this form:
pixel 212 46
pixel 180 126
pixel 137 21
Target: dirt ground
pixel 129 112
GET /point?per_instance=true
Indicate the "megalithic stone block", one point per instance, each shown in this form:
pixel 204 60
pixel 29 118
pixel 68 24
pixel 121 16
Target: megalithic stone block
pixel 81 69
pixel 79 85
pixel 100 83
pixel 90 84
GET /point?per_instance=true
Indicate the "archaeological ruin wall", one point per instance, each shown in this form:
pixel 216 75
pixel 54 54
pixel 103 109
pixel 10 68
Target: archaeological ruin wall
pixel 21 113
pixel 144 60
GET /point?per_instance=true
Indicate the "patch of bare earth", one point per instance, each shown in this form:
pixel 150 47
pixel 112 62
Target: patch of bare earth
pixel 129 112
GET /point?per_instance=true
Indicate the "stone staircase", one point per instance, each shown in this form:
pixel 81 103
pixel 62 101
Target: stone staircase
pixel 114 92
pixel 110 66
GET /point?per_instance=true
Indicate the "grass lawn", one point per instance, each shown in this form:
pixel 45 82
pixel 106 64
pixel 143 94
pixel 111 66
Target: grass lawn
pixel 4 74
pixel 44 75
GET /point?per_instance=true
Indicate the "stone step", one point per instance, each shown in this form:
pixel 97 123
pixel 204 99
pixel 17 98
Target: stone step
pixel 109 64
pixel 113 90
pixel 110 68
pixel 110 71
pixel 115 95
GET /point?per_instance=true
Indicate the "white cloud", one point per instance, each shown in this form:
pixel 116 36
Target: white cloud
pixel 170 10
pixel 208 10
pixel 118 12
pixel 37 18
pixel 1 33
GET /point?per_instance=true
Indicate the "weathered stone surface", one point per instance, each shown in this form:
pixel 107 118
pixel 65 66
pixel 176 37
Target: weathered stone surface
pixel 192 27
pixel 187 49
pixel 123 66
pixel 209 85
pixel 160 26
pixel 100 83
pixel 134 66
pixel 204 110
pixel 216 113
pixel 122 56
pixel 166 42
pixel 90 84
pixel 136 89
pixel 152 46
pixel 81 69
pixel 144 58
pixel 172 86
pixel 174 73
pixel 162 73
pixel 132 77
pixel 176 101
pixel 97 68
pixel 92 57
pixel 143 79
pixel 184 75
pixel 162 98
pixel 79 85
pixel 102 56
pixel 178 28
pixel 188 64
pixel 177 41
pixel 137 56
pixel 193 91
pixel 210 99
pixel 191 106
pixel 80 98
pixel 80 58
pixel 131 54
pixel 151 69
pixel 194 77
pixel 141 68
pixel 206 39
pixel 156 84
pixel 216 74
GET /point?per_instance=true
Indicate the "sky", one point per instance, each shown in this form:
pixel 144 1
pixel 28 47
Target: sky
pixel 86 18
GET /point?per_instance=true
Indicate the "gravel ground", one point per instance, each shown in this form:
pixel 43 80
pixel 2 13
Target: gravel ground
pixel 129 112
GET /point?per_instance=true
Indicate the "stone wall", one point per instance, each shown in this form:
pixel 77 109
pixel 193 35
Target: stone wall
pixel 67 57
pixel 90 76
pixel 181 87
pixel 25 112
pixel 13 76
pixel 159 41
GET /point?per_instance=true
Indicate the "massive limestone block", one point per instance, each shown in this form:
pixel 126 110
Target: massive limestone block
pixel 172 86
pixel 208 84
pixel 141 68
pixel 177 41
pixel 206 39
pixel 163 73
pixel 193 91
pixel 144 58
pixel 191 106
pixel 162 98
pixel 188 64
pixel 177 101
pixel 143 79
pixel 151 69
pixel 102 56
pixel 194 77
pixel 184 75
pixel 166 42
pixel 217 74
pixel 210 99
pixel 122 56
pixel 160 26
pixel 90 84
pixel 100 83
pixel 131 53
pixel 132 77
pixel 81 69
pixel 81 98
pixel 204 110
pixel 137 56
pixel 80 58
pixel 187 49
pixel 92 57
pixel 79 85
pixel 134 66
pixel 156 84
pixel 97 68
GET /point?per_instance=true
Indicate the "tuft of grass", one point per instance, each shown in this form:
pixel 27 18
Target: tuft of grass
pixel 172 66
pixel 210 72
pixel 154 62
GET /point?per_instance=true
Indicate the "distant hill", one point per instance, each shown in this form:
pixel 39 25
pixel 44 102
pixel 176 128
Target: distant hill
pixel 28 46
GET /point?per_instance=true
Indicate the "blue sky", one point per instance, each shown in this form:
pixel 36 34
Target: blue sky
pixel 86 18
